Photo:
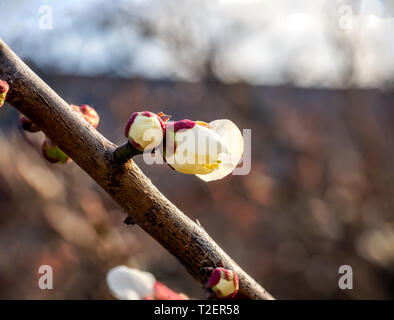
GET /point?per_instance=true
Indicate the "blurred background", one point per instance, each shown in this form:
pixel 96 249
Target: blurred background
pixel 312 79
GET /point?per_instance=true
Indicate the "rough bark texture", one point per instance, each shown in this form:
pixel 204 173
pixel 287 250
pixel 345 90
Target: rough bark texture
pixel 126 184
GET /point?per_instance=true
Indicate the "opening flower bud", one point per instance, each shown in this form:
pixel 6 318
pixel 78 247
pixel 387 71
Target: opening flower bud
pixel 53 153
pixel 210 151
pixel 4 87
pixel 232 137
pixel 145 130
pixel 132 284
pixel 224 283
pixel 27 124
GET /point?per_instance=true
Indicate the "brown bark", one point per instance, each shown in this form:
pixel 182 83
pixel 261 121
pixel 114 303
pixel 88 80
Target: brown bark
pixel 126 184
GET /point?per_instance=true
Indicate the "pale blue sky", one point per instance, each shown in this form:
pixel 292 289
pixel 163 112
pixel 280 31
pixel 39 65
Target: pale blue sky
pixel 276 40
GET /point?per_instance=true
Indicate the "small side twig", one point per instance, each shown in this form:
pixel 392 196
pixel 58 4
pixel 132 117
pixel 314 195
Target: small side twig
pixel 124 153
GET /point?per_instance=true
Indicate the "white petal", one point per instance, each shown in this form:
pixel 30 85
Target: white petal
pixel 232 137
pixel 130 284
pixel 126 294
pixel 202 141
pixel 197 148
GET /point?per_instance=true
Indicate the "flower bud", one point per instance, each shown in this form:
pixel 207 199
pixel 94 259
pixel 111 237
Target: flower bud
pixel 183 151
pixel 53 153
pixel 210 151
pixel 4 87
pixel 89 114
pixel 162 292
pixel 224 283
pixel 130 284
pixel 145 130
pixel 27 124
pixel 231 137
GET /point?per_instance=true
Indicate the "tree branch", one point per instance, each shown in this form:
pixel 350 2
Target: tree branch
pixel 125 183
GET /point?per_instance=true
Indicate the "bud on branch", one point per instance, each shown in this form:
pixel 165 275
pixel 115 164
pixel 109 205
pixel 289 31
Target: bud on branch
pixel 4 87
